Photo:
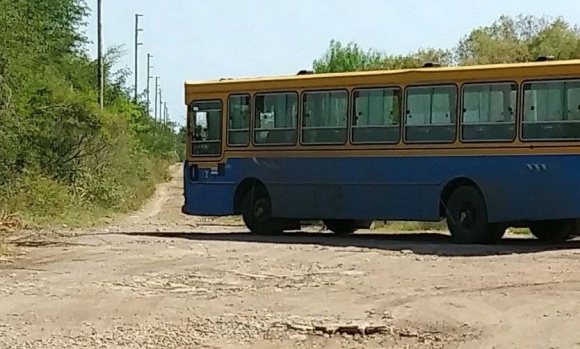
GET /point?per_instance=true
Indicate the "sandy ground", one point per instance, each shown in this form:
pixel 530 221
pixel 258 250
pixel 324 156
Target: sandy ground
pixel 158 279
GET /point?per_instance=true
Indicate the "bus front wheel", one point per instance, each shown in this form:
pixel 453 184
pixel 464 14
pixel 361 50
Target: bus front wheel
pixel 257 212
pixel 466 215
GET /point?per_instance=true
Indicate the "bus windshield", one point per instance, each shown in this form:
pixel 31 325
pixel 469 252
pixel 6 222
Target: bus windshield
pixel 206 128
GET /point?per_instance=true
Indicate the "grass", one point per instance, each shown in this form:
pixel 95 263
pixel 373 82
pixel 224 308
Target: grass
pixel 520 231
pixel 45 202
pixel 36 202
pixel 397 226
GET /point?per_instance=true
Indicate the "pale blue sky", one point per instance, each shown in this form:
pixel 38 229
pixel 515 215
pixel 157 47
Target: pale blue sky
pixel 196 39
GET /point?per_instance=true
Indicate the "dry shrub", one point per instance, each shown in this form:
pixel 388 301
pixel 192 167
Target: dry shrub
pixel 10 223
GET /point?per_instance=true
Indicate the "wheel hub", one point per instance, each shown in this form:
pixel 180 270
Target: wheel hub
pixel 467 217
pixel 260 210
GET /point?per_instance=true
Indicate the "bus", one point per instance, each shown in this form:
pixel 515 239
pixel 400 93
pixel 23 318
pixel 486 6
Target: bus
pixel 484 148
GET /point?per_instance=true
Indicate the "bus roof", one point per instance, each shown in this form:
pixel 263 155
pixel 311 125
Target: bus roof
pixel 229 84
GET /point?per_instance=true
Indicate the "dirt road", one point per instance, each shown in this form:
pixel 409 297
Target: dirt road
pixel 162 280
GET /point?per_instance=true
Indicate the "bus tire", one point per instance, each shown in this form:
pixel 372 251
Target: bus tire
pixel 466 216
pixel 341 226
pixel 553 231
pixel 257 212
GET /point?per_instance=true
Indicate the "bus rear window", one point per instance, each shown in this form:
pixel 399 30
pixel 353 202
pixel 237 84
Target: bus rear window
pixel 206 126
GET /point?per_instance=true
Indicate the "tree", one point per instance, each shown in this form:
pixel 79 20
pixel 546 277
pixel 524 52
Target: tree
pixel 351 57
pixel 519 40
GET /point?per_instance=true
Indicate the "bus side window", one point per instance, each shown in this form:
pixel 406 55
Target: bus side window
pixel 573 97
pixel 239 120
pixel 325 117
pixel 431 114
pixel 489 112
pixel 551 110
pixel 376 116
pixel 276 119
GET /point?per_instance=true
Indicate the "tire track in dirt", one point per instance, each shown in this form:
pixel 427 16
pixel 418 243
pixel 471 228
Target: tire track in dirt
pixel 160 198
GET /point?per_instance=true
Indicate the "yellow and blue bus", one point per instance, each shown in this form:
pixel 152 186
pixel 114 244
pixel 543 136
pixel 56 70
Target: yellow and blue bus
pixel 484 147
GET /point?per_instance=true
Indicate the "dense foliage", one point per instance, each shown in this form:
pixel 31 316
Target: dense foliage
pixel 505 41
pixel 59 153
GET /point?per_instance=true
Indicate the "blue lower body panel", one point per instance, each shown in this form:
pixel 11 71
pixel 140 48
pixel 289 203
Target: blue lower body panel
pixel 201 200
pixel 206 197
pixel 516 188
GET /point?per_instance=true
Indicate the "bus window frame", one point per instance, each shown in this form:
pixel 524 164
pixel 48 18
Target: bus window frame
pixel 192 132
pixel 352 113
pixel 348 117
pixel 457 110
pixel 228 144
pixel 516 112
pixel 254 115
pixel 523 103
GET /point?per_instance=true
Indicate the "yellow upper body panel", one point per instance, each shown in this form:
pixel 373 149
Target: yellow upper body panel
pixel 402 77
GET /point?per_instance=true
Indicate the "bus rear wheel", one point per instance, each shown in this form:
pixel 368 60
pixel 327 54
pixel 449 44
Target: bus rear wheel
pixel 466 216
pixel 553 231
pixel 341 226
pixel 257 212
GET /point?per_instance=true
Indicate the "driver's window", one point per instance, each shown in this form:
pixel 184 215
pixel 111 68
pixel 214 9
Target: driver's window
pixel 206 127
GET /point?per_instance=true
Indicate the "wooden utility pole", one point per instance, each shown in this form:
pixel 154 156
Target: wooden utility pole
pixel 156 95
pixel 137 43
pixel 101 66
pixel 160 106
pixel 165 112
pixel 149 83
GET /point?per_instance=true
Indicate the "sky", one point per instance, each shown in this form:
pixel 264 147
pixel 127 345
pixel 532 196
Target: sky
pixel 210 39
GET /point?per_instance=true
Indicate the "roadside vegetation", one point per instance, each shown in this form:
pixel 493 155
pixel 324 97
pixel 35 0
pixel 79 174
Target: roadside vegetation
pixel 62 159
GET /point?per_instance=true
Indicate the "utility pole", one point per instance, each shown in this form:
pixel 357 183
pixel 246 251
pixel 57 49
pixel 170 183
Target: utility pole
pixel 149 56
pixel 160 106
pixel 101 68
pixel 165 113
pixel 137 43
pixel 156 95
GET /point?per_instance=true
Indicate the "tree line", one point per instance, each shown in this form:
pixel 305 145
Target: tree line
pixel 507 40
